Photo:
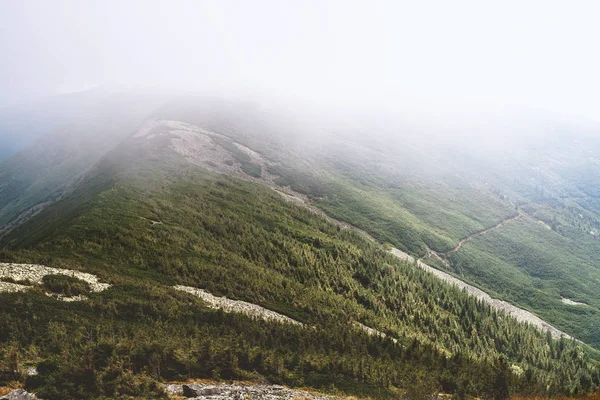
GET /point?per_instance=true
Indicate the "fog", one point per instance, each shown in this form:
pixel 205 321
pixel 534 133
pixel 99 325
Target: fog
pixel 428 60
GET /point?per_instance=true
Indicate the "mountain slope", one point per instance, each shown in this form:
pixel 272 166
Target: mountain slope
pixel 145 219
pixel 424 193
pixel 238 200
pixel 44 171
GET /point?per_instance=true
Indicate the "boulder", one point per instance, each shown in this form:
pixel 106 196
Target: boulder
pixel 195 390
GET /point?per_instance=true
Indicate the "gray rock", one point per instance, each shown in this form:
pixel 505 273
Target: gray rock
pixel 174 390
pixel 195 390
pixel 241 391
pixel 19 394
pixel 237 306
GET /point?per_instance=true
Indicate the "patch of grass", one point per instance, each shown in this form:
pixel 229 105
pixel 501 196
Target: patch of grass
pixel 25 282
pixel 228 145
pixel 252 169
pixel 434 262
pixel 65 285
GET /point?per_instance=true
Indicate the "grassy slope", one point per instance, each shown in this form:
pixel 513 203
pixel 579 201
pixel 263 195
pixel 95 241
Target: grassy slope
pixel 524 262
pixel 410 218
pixel 534 267
pixel 385 189
pixel 241 240
pixel 373 182
pixel 46 170
pixel 380 197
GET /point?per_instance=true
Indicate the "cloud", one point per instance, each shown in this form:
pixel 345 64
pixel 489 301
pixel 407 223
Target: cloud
pixel 433 56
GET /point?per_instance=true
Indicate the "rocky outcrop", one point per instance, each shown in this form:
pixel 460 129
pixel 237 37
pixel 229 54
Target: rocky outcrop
pixel 242 392
pixel 19 394
pixel 205 148
pixel 237 306
pixel 33 274
pixel 373 332
pixel 572 302
pixel 195 390
pixel 9 287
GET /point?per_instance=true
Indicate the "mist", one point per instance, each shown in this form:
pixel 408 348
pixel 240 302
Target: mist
pixel 426 59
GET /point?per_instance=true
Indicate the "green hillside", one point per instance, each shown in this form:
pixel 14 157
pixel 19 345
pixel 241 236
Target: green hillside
pixel 536 267
pixel 243 241
pixel 87 126
pixel 140 209
pixel 421 195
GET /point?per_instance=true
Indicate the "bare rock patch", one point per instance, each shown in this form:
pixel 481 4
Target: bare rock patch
pixel 237 306
pixel 242 391
pixel 35 274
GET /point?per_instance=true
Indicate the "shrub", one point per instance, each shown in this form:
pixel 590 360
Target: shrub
pixel 65 285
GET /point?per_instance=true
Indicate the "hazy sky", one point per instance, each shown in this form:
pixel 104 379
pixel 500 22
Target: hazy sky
pixel 438 54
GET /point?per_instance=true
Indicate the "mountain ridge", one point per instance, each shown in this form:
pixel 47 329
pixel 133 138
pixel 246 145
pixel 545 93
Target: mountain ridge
pixel 237 214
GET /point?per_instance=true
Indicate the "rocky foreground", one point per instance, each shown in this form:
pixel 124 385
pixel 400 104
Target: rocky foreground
pixel 239 391
pixel 19 394
pixel 215 391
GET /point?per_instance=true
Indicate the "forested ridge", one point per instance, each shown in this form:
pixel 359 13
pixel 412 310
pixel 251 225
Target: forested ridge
pixel 242 240
pixel 421 200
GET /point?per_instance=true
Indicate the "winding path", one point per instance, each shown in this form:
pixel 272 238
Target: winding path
pixel 483 232
pixel 443 256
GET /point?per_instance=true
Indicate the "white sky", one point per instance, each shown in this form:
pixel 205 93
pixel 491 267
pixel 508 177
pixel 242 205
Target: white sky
pixel 434 55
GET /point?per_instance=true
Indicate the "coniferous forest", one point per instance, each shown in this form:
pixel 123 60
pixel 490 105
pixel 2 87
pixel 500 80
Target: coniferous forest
pixel 242 240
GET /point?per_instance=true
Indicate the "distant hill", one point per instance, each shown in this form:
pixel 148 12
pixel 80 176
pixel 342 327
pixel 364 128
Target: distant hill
pixel 22 124
pixel 85 127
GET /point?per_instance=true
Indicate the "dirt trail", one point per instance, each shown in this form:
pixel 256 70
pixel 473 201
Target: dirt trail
pixel 443 256
pixel 483 232
pixel 539 221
